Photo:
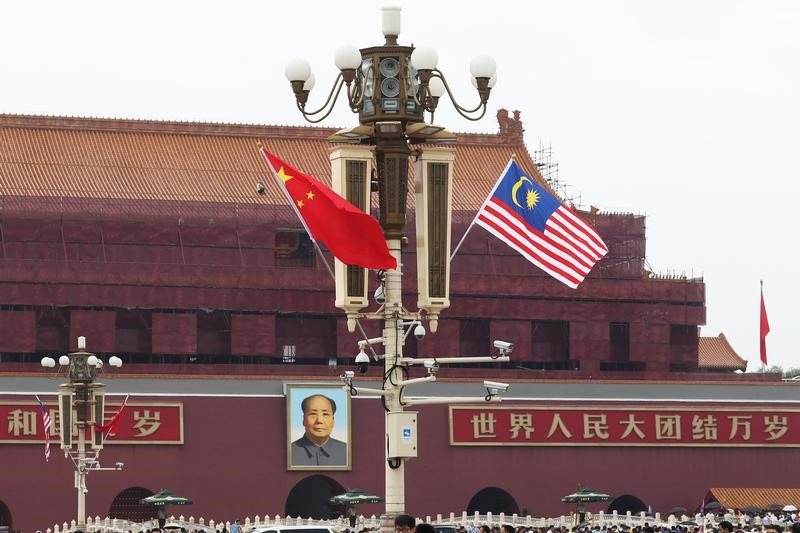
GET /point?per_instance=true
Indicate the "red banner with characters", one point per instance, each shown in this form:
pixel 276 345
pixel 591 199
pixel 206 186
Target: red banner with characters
pixel 139 423
pixel 526 425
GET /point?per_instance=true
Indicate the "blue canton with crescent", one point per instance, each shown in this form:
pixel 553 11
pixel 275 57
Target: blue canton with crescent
pixel 518 191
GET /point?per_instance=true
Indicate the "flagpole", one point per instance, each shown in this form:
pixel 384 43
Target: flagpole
pixel 763 329
pixel 289 199
pixel 760 338
pixel 496 184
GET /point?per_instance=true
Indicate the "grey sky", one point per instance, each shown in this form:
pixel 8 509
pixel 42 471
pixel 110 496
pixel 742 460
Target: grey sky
pixel 685 111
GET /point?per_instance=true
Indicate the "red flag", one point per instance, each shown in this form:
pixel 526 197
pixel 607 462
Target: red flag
pixel 111 427
pixel 764 328
pixel 352 235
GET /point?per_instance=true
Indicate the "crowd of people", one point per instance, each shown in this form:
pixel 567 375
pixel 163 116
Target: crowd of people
pixel 745 523
pixel 730 522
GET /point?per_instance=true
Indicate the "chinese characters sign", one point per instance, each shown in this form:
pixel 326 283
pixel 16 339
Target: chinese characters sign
pixel 140 423
pixel 618 426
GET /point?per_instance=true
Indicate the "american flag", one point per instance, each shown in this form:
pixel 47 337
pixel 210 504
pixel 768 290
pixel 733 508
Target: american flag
pixel 46 423
pixel 521 213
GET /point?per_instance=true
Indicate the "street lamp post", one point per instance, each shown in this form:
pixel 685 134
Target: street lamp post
pixel 80 407
pixel 391 87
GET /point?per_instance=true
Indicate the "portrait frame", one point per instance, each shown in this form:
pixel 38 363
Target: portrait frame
pixel 295 394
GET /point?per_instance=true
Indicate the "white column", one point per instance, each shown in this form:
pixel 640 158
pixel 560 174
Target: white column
pixel 81 476
pixel 393 349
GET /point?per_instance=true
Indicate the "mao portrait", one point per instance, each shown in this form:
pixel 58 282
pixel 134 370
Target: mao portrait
pixel 318 427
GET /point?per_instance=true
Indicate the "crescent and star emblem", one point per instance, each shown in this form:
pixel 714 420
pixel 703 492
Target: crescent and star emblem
pixel 531 196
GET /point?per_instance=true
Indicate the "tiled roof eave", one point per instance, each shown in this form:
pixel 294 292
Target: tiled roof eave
pixel 163 127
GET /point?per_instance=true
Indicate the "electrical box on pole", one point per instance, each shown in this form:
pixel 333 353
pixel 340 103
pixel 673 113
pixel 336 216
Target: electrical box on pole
pixel 401 428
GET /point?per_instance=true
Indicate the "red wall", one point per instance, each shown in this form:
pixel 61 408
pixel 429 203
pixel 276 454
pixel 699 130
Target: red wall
pixel 174 263
pixel 233 464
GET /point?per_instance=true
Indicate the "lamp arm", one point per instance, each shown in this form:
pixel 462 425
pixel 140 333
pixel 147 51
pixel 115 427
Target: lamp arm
pixel 356 96
pixel 332 97
pixel 451 400
pixel 423 91
pixel 371 392
pixel 463 111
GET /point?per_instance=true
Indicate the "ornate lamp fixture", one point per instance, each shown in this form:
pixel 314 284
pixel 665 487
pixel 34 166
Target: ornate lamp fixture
pixel 391 87
pixel 389 83
pixel 83 397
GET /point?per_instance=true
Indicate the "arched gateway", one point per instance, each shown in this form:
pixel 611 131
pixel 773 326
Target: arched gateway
pixel 492 500
pixel 5 516
pixel 626 502
pixel 127 506
pixel 309 497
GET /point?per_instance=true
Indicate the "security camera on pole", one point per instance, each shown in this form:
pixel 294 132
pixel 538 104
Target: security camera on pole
pixel 391 87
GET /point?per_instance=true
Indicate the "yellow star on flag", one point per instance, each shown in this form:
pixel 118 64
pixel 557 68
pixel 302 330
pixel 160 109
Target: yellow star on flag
pixel 300 204
pixel 284 177
pixel 310 195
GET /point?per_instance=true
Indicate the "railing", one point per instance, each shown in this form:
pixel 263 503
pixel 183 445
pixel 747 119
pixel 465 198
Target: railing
pixel 115 525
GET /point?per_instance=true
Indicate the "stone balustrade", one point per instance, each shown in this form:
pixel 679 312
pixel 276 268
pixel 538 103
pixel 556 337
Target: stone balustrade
pixel 114 525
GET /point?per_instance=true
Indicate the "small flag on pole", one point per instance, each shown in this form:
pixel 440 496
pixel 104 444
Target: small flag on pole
pixel 521 213
pixel 46 423
pixel 109 428
pixel 353 236
pixel 764 328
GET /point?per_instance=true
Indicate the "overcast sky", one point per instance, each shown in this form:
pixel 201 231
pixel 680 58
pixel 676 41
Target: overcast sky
pixel 684 111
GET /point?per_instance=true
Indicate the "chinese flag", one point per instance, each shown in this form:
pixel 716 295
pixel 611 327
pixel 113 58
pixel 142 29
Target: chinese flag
pixel 764 328
pixel 112 425
pixel 352 235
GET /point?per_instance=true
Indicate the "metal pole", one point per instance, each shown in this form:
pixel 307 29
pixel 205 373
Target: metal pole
pixel 393 346
pixel 81 473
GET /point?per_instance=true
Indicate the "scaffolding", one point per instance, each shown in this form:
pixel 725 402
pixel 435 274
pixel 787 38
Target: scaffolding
pixel 548 168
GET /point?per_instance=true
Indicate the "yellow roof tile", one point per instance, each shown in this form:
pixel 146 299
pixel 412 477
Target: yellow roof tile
pixel 737 498
pixel 195 162
pixel 716 352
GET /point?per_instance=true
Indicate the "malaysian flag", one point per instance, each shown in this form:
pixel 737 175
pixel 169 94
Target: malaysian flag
pixel 521 213
pixel 46 423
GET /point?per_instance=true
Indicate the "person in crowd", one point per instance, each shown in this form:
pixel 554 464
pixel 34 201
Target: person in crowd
pixel 424 528
pixel 404 523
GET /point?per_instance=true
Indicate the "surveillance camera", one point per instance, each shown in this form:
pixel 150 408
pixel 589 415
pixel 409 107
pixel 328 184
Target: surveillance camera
pixel 347 375
pixel 362 362
pixel 432 365
pixel 419 332
pixel 261 188
pixel 504 346
pixel 85 490
pixel 496 386
pixel 380 295
pixel 119 465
